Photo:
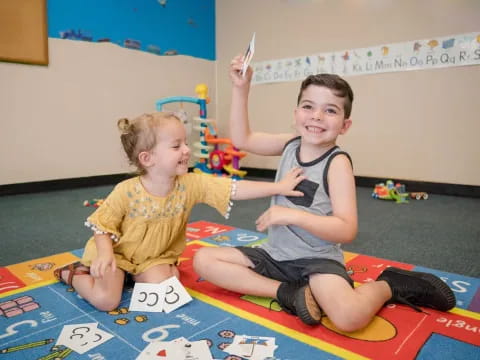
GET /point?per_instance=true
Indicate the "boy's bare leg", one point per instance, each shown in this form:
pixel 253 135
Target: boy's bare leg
pixel 352 309
pixel 105 293
pixel 349 309
pixel 230 269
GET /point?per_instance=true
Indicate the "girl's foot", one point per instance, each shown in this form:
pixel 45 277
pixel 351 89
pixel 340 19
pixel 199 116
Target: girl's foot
pixel 66 272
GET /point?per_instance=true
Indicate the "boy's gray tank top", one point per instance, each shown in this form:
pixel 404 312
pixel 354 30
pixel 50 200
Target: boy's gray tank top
pixel 289 242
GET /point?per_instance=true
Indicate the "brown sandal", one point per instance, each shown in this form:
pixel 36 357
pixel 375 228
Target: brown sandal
pixel 73 270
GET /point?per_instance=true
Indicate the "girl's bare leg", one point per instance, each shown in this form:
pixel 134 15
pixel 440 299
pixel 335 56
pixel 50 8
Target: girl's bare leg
pixel 103 293
pixel 157 274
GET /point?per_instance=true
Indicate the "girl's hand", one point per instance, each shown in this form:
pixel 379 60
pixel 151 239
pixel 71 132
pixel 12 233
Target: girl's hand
pixel 238 80
pixel 102 264
pixel 275 215
pixel 291 179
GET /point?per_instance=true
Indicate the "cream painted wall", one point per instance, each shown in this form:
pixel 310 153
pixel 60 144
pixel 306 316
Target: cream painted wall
pixel 418 125
pixel 59 121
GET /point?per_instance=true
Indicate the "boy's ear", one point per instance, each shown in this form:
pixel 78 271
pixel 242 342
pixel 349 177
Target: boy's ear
pixel 145 159
pixel 346 125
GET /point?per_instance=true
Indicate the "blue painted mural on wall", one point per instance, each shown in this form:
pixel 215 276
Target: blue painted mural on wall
pixel 163 27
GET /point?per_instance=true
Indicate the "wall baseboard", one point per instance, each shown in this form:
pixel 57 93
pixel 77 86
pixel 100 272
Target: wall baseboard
pixel 363 181
pixel 61 184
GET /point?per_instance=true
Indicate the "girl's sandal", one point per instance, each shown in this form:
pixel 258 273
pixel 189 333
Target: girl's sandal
pixel 73 270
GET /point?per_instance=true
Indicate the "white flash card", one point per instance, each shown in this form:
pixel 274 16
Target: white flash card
pixel 191 350
pixel 175 294
pixel 178 349
pixel 248 55
pixel 252 347
pixel 196 350
pixel 164 350
pixel 82 337
pixel 147 297
pixel 99 338
pixel 76 334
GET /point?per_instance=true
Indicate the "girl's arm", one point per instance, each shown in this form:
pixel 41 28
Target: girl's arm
pixel 246 189
pixel 105 259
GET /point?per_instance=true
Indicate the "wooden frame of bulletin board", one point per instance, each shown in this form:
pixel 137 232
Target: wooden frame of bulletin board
pixel 24 34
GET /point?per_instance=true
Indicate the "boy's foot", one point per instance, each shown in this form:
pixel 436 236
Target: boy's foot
pixel 418 289
pixel 298 300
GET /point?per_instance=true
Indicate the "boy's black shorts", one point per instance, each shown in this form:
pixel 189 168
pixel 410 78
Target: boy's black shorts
pixel 292 270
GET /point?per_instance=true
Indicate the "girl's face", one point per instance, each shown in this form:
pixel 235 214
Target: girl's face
pixel 320 116
pixel 171 154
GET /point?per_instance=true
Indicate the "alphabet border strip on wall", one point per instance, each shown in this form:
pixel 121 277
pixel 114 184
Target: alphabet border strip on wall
pixel 449 51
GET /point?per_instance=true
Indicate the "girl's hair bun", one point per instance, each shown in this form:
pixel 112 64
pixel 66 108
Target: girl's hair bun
pixel 124 125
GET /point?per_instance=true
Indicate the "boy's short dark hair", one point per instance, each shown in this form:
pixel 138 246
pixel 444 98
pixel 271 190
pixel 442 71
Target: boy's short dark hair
pixel 333 82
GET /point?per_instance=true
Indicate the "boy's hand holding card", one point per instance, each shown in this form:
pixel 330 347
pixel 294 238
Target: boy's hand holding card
pixel 247 58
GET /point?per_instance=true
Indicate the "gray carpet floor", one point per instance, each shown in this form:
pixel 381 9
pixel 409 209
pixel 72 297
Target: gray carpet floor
pixel 442 232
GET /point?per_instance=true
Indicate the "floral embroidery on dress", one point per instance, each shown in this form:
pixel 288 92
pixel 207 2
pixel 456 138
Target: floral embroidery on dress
pixel 149 208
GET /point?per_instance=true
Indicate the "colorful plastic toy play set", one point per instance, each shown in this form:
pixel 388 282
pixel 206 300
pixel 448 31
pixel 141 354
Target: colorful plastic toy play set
pixel 216 156
pixel 396 191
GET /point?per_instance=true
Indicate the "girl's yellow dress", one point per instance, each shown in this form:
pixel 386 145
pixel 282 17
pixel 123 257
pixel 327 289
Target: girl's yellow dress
pixel 148 230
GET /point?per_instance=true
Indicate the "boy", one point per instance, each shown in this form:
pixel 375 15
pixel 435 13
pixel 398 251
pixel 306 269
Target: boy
pixel 302 264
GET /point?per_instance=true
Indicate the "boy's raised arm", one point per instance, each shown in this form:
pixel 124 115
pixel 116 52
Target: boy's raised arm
pixel 242 137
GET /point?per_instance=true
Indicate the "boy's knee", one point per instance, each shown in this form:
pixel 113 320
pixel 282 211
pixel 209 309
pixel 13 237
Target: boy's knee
pixel 201 258
pixel 349 325
pixel 347 321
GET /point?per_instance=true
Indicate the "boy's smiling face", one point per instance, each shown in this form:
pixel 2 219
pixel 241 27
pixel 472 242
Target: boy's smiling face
pixel 320 116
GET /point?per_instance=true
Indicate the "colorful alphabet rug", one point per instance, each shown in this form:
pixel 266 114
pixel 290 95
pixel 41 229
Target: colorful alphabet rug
pixel 35 308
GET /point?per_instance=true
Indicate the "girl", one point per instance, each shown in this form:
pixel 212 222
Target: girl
pixel 140 228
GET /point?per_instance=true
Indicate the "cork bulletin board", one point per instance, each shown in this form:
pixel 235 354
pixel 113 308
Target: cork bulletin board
pixel 23 31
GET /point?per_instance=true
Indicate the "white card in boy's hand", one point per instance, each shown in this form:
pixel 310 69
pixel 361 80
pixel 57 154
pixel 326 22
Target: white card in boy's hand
pixel 247 58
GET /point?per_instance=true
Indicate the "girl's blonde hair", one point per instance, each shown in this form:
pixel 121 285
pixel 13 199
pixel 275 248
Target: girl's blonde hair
pixel 139 135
